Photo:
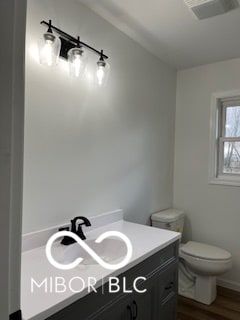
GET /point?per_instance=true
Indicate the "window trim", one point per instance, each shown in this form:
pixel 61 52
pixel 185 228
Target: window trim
pixel 216 124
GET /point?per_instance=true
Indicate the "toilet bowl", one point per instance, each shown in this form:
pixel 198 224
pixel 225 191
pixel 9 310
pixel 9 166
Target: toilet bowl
pixel 199 263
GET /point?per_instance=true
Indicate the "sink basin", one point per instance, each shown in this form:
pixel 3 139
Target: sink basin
pixel 108 250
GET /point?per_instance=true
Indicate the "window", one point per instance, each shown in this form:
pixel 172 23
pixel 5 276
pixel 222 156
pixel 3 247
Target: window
pixel 229 139
pixel 225 140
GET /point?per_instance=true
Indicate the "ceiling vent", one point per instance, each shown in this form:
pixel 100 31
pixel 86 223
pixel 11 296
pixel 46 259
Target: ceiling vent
pixel 209 8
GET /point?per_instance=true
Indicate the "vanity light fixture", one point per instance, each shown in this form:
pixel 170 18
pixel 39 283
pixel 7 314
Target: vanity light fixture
pixel 57 43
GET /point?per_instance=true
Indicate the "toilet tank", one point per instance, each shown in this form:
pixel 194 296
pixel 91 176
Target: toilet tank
pixel 171 219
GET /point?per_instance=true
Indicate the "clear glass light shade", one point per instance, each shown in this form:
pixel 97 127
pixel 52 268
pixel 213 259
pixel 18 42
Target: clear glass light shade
pixel 77 60
pixel 49 49
pixel 102 73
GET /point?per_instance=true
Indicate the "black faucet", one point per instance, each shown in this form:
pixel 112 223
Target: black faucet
pixel 77 230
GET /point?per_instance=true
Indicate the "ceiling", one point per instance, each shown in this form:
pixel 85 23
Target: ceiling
pixel 169 30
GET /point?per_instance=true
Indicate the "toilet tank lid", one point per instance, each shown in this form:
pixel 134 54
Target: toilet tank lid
pixel 168 215
pixel 205 251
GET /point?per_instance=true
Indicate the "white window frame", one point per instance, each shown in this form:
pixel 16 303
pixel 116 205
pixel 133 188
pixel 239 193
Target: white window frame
pixel 217 119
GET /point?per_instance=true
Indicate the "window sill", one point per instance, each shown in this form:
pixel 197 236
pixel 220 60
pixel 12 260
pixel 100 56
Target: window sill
pixel 225 181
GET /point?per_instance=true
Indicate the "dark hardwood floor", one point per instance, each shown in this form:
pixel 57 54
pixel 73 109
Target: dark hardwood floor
pixel 225 307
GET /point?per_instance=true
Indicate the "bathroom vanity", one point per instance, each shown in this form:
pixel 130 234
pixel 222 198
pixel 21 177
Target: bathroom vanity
pixel 154 263
pixel 158 302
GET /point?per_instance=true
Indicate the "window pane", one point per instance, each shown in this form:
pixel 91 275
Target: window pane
pixel 232 125
pixel 231 162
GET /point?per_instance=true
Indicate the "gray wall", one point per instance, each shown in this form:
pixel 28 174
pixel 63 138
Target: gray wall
pixel 12 26
pixel 90 150
pixel 213 211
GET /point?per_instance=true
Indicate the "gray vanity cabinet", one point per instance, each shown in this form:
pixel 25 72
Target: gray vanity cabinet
pixel 159 302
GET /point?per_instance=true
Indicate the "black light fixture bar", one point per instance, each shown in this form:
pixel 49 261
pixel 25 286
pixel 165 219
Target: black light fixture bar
pixel 68 42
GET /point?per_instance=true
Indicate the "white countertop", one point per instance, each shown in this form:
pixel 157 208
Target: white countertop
pixel 39 305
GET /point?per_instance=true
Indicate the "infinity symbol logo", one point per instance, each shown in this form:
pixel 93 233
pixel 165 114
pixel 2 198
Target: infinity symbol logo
pixel 91 252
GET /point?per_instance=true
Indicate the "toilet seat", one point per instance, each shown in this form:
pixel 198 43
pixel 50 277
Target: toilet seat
pixel 204 251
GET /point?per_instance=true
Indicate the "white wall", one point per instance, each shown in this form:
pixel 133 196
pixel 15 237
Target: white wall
pixel 90 150
pixel 213 211
pixel 12 26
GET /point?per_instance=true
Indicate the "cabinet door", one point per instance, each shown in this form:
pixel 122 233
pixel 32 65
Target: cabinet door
pixel 119 310
pixel 168 291
pixel 143 304
pixel 168 310
pixel 136 306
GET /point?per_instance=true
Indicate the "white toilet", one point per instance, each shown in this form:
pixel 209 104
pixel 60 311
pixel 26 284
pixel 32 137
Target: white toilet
pixel 199 263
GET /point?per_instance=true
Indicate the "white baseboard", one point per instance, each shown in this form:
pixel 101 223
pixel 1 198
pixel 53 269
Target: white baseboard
pixel 229 284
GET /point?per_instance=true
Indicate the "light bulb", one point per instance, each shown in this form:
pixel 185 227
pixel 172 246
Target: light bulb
pixel 49 49
pixel 100 75
pixel 77 59
pixel 48 52
pixel 77 65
